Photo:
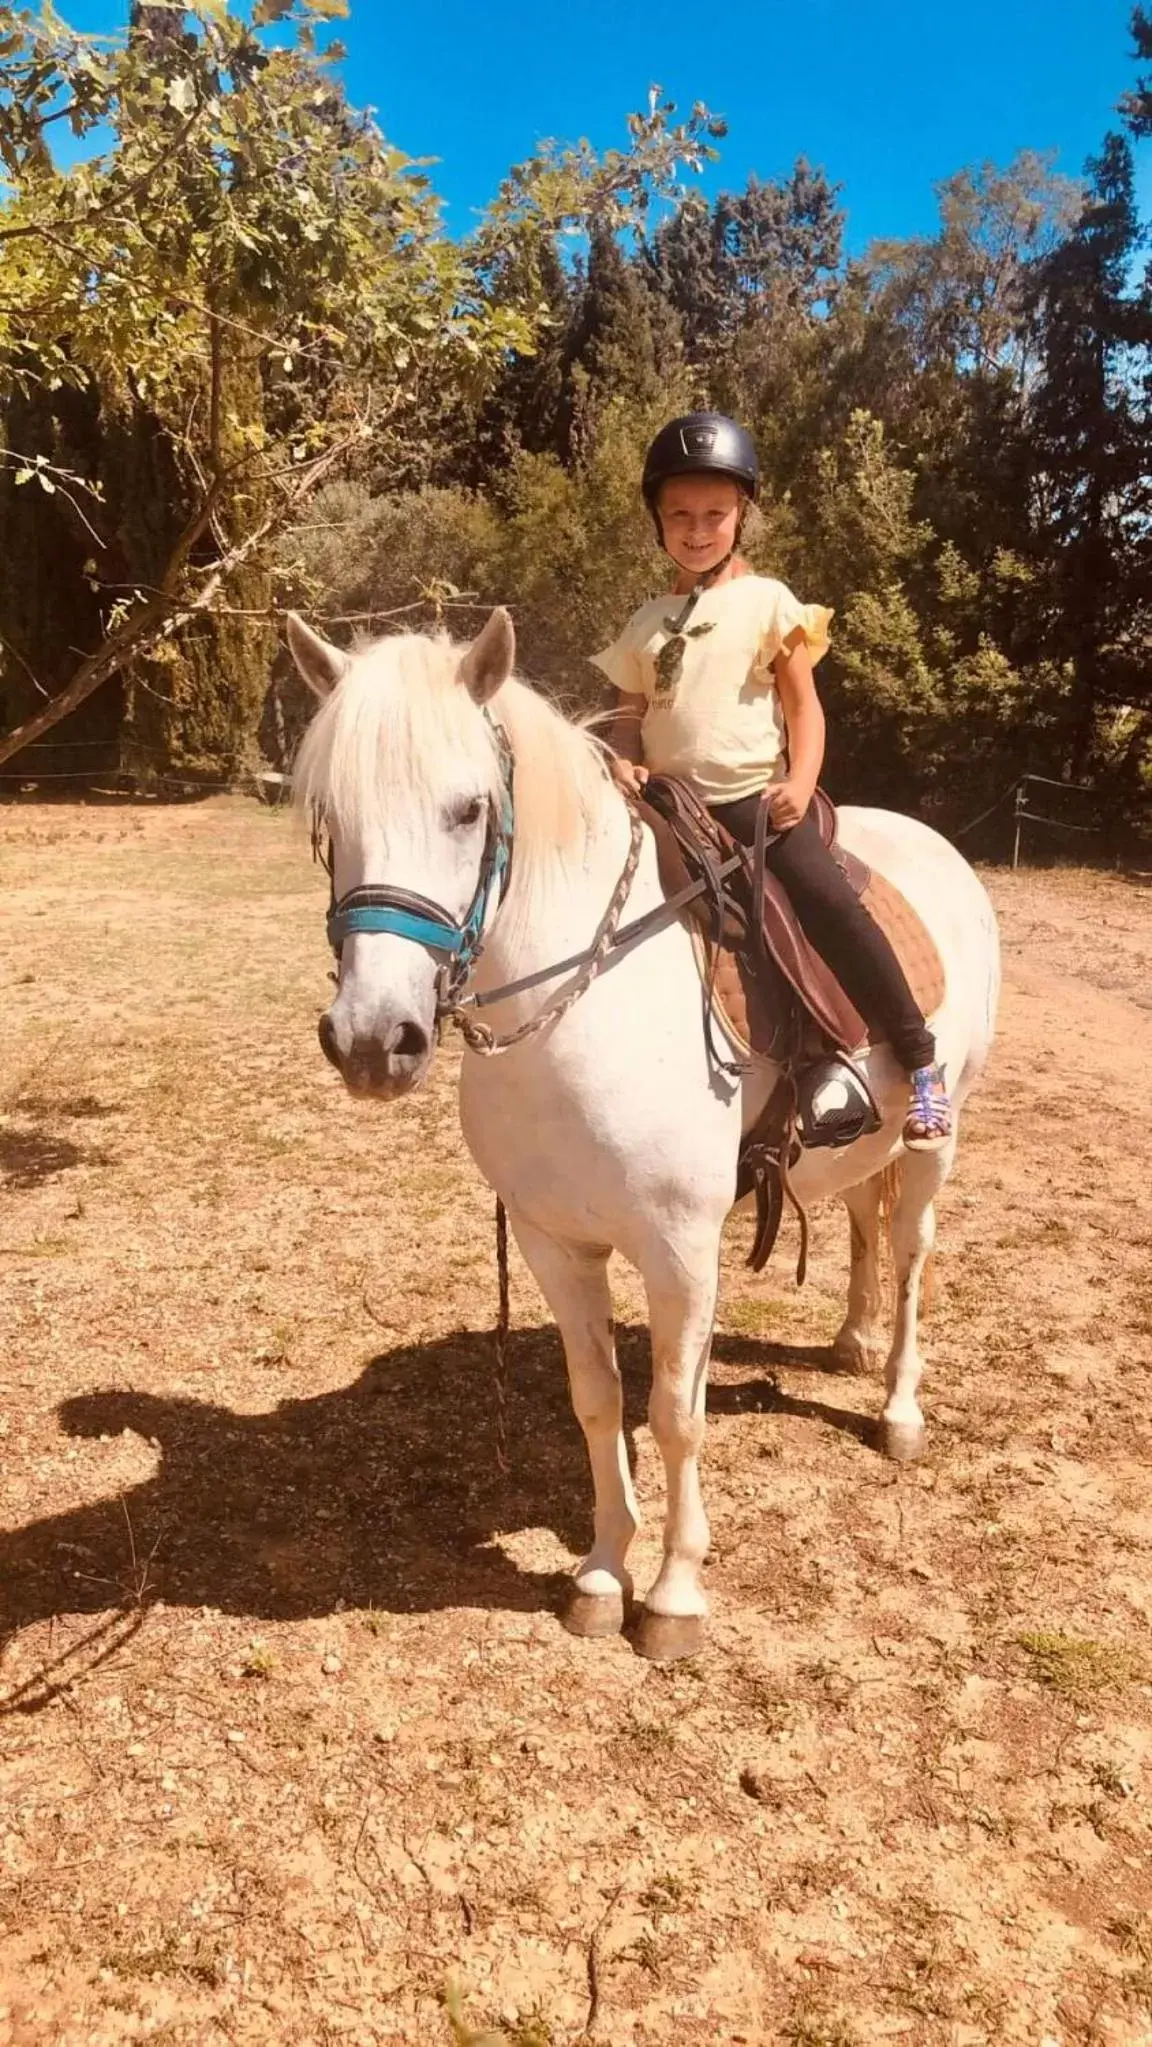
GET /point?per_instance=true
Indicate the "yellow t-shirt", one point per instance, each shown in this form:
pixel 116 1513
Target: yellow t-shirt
pixel 714 716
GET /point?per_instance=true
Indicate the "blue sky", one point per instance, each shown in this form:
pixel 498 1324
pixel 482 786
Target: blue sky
pixel 890 96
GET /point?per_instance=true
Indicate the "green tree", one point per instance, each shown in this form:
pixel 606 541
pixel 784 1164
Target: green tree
pixel 687 259
pixel 756 254
pixel 623 345
pixel 249 267
pixel 527 406
pixel 1089 422
pixel 1136 106
pixel 958 296
pixel 602 331
pixel 782 242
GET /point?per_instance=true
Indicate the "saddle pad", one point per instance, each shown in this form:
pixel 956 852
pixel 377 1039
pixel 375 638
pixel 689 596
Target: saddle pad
pixel 742 1009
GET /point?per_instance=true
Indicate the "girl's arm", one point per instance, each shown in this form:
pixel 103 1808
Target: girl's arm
pixel 623 737
pixel 622 732
pixel 804 720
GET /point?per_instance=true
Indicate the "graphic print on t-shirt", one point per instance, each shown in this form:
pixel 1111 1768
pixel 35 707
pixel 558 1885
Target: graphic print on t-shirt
pixel 670 660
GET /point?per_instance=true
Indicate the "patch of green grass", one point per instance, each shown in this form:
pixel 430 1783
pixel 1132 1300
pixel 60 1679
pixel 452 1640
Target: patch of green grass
pixel 752 1317
pixel 169 1956
pixel 278 1349
pixel 534 2031
pixel 645 1952
pixel 259 1659
pixel 819 2029
pixel 1075 1665
pixel 646 1741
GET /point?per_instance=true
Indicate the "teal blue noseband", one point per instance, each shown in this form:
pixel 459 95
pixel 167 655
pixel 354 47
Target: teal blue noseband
pixel 400 913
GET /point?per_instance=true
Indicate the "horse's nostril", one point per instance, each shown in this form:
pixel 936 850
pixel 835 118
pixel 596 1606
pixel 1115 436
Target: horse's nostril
pixel 326 1032
pixel 408 1041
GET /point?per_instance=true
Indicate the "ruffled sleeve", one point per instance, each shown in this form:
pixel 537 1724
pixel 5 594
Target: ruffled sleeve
pixel 788 623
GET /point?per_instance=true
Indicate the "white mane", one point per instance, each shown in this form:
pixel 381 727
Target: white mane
pixel 399 724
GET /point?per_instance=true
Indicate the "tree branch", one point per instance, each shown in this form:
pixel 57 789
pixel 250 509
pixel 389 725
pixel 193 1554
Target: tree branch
pixel 132 192
pixel 156 618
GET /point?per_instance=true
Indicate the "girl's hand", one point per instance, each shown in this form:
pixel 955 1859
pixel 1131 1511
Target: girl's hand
pixel 787 803
pixel 628 777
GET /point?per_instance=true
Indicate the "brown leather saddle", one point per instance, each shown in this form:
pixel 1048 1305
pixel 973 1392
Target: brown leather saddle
pixel 787 1001
pixel 776 998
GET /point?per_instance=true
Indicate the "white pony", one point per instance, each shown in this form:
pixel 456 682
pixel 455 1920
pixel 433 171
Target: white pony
pixel 610 1129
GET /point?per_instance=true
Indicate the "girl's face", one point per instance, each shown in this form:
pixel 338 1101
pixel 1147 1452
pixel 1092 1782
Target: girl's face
pixel 699 518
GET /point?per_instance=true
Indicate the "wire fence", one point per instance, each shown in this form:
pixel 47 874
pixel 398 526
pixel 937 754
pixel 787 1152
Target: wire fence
pixel 1019 794
pixel 274 787
pixel 114 779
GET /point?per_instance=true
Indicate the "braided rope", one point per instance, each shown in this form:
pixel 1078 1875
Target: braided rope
pixel 481 1038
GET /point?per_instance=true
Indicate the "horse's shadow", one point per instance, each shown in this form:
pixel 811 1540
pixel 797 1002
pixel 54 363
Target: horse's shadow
pixel 385 1494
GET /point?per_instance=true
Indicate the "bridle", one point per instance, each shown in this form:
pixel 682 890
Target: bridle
pixel 402 913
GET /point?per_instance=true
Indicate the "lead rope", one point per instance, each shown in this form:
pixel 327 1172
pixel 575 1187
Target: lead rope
pixel 479 1037
pixel 487 1043
pixel 500 1346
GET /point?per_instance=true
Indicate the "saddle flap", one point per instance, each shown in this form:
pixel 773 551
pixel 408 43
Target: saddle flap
pixel 767 975
pixel 691 846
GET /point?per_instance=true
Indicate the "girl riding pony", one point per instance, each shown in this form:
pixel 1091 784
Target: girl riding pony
pixel 718 689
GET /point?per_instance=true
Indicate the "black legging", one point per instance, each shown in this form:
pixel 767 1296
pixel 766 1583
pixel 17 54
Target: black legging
pixel 844 934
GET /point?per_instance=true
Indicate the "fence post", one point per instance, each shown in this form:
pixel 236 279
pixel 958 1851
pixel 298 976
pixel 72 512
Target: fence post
pixel 1021 800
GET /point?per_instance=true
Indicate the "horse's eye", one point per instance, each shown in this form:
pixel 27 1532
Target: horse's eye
pixel 465 813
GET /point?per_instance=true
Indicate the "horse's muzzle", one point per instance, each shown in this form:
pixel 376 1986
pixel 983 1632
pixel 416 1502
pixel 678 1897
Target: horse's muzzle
pixel 382 1065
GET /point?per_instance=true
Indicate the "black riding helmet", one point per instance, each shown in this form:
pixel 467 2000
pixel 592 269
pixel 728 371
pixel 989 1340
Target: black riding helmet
pixel 696 443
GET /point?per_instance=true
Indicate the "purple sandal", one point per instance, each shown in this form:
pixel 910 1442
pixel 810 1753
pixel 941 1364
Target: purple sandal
pixel 928 1124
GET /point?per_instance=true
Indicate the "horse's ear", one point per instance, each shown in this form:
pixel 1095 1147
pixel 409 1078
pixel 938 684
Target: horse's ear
pixel 321 664
pixel 490 659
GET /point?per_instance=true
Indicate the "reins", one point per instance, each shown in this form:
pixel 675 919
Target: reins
pixel 480 1038
pixel 609 945
pixel 402 913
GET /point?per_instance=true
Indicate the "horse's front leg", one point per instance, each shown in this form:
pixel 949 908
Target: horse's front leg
pixel 681 1286
pixel 574 1281
pixel 913 1235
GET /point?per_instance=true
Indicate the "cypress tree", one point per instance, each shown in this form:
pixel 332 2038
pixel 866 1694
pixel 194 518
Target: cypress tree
pixel 1136 106
pixel 1088 425
pixel 624 343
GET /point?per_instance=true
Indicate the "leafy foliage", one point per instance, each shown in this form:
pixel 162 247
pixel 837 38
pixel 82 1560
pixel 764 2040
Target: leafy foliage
pixel 243 366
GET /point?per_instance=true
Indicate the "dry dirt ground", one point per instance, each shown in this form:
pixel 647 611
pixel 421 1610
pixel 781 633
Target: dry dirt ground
pixel 290 1737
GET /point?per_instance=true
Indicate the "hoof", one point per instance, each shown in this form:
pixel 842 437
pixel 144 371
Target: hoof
pixel 669 1637
pixel 903 1442
pixel 593 1615
pixel 853 1354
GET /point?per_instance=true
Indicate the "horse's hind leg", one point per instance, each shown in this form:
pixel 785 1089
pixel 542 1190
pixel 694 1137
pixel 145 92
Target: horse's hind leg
pixel 858 1341
pixel 913 1234
pixel 574 1281
pixel 681 1285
